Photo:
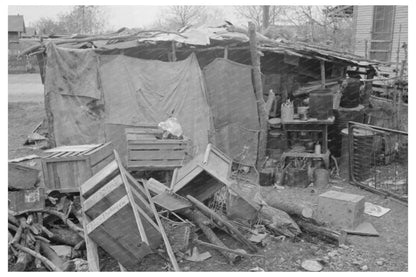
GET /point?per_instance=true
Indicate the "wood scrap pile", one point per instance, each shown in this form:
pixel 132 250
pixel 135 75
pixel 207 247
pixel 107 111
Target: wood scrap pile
pixel 62 231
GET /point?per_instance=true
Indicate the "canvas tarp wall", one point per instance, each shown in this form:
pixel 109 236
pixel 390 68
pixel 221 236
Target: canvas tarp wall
pixel 92 97
pixel 233 105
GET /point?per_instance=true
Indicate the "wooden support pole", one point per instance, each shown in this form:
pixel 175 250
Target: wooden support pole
pixel 162 230
pixel 223 222
pixel 258 89
pixel 365 49
pixel 226 52
pixel 173 51
pixel 322 74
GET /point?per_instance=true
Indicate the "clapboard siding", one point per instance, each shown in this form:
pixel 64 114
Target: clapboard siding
pixel 401 19
pixel 364 23
pixel 363 16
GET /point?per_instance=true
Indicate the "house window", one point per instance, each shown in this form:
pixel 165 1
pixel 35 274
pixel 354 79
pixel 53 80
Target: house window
pixel 382 33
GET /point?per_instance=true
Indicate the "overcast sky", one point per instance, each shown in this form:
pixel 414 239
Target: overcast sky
pixel 118 16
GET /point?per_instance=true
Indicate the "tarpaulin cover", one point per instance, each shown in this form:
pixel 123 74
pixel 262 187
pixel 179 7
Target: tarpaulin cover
pixel 233 105
pixel 94 97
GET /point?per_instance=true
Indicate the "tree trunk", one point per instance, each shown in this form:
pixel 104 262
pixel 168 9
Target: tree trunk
pixel 258 89
pixel 279 221
pixel 290 205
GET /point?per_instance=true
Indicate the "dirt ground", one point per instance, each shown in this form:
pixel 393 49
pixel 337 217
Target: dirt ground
pixel 388 252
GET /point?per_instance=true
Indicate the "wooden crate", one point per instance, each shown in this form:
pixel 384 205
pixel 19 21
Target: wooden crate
pixel 117 217
pixel 204 175
pixel 146 152
pixel 67 167
pixel 23 201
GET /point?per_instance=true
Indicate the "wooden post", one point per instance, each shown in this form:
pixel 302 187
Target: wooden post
pixel 258 89
pixel 398 51
pixel 365 49
pixel 226 52
pixel 323 74
pixel 173 51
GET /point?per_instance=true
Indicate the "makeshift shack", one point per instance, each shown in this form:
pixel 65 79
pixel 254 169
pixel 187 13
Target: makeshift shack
pixel 128 79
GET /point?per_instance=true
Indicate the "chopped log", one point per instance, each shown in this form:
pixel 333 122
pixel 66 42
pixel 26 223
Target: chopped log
pixel 44 260
pixel 322 232
pixel 65 236
pixel 19 231
pixel 67 221
pixel 50 254
pixel 279 221
pixel 285 203
pixel 233 231
pixel 202 221
pixel 12 218
pixel 23 258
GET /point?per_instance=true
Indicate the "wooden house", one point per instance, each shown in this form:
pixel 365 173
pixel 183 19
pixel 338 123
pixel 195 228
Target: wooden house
pixel 380 32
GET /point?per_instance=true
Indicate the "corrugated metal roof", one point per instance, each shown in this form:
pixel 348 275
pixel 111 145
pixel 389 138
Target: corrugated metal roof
pixel 16 23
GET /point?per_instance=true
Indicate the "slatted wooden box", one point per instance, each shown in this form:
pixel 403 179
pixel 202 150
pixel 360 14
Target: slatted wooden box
pixel 204 174
pixel 117 216
pixel 67 167
pixel 146 152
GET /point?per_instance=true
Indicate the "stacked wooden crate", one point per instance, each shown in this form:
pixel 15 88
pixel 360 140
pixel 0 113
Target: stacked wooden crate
pixel 145 151
pixel 118 217
pixel 67 167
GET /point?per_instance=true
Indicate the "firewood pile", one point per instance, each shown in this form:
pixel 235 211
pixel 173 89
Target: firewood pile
pixel 48 239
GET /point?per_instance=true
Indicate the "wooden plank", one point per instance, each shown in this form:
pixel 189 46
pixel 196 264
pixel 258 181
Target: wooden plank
pixel 100 153
pixel 130 196
pixel 162 231
pixel 102 193
pixel 91 246
pixel 154 164
pixel 97 167
pixel 155 186
pixel 171 201
pixel 72 148
pixel 165 154
pixel 107 214
pixel 139 200
pixel 95 182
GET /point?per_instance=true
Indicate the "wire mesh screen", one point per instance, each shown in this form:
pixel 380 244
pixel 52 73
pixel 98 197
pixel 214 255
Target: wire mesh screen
pixel 378 159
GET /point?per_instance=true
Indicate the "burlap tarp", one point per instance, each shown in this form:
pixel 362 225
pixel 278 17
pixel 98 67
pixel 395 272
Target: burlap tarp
pixel 93 97
pixel 233 105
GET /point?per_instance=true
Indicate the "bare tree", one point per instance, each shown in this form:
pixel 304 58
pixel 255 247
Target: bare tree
pixel 81 19
pixel 256 14
pixel 177 17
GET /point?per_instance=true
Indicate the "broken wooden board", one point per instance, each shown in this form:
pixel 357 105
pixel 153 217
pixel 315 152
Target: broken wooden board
pixel 22 177
pixel 204 175
pixel 363 229
pixel 118 216
pixel 155 186
pixel 23 201
pixel 171 201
